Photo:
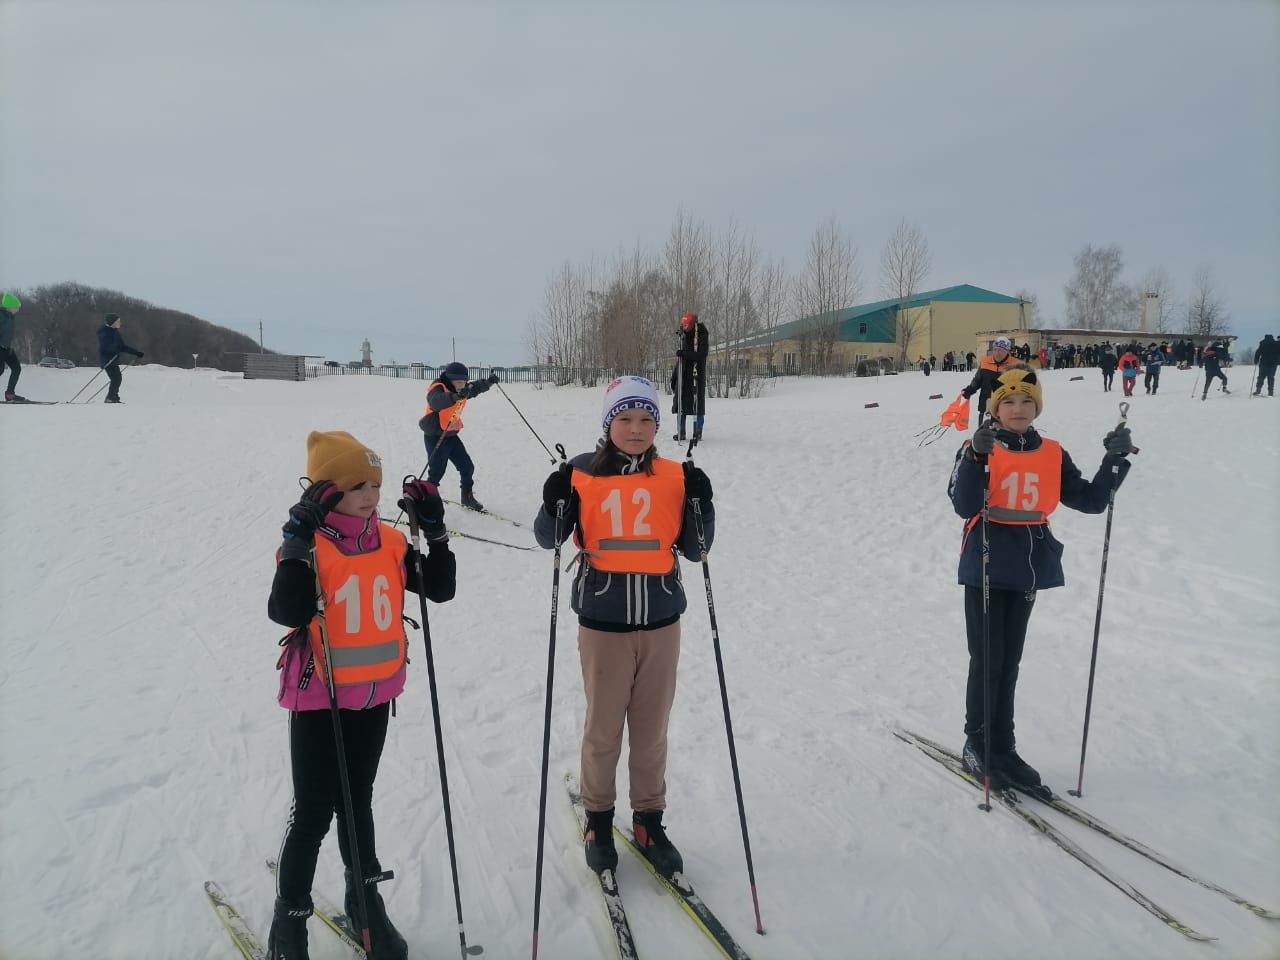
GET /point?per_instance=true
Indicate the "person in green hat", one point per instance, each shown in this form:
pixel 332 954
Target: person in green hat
pixel 9 307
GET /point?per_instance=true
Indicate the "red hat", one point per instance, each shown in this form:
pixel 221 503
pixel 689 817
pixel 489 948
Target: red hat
pixel 688 320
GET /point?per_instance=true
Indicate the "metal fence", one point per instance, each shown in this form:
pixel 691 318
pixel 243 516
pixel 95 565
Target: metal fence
pixel 720 372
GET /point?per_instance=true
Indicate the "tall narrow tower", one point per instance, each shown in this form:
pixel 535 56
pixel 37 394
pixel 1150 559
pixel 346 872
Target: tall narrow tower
pixel 1150 312
pixel 366 354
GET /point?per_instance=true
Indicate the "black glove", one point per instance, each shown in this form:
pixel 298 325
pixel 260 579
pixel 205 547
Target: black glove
pixel 309 512
pixel 1119 442
pixel 697 485
pixel 494 378
pixel 984 440
pixel 422 499
pixel 685 354
pixel 475 388
pixel 559 486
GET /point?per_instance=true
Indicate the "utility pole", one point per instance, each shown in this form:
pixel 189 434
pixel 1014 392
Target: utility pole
pixel 454 341
pixel 260 348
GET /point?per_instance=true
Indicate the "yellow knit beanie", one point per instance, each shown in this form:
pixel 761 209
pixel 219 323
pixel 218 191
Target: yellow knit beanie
pixel 341 458
pixel 1017 379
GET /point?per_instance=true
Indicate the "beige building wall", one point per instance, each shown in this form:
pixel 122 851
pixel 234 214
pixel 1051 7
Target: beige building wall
pixel 954 326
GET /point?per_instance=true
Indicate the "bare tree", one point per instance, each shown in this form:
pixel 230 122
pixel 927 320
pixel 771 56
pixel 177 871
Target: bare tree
pixel 773 303
pixel 830 282
pixel 731 301
pixel 904 264
pixel 1206 309
pixel 563 330
pixel 1096 297
pixel 1030 308
pixel 1157 281
pixel 686 259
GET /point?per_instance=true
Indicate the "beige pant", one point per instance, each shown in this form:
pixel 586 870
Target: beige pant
pixel 628 677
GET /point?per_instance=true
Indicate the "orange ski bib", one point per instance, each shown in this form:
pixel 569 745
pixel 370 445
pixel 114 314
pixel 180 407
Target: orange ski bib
pixel 630 523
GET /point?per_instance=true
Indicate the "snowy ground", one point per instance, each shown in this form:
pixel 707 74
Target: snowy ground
pixel 142 752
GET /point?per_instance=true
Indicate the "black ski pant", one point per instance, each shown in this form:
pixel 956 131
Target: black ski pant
pixel 1265 372
pixel 440 453
pixel 317 793
pixel 116 377
pixel 1010 612
pixel 9 358
pixel 1152 380
pixel 1210 376
pixel 1107 377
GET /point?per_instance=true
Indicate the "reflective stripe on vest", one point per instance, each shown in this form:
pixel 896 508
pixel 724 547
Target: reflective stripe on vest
pixel 450 417
pixel 363 604
pixel 1025 485
pixel 648 507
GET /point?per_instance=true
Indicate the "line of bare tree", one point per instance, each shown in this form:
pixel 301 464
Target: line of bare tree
pixel 1098 298
pixel 598 319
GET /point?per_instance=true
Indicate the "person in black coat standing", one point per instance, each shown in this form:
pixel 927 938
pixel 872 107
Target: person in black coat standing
pixel 1214 355
pixel 110 346
pixel 1267 357
pixel 689 376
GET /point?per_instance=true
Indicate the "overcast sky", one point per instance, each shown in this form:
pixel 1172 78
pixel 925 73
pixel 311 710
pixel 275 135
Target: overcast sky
pixel 413 172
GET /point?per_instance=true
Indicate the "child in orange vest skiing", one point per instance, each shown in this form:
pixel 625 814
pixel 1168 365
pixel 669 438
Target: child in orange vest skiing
pixel 630 512
pixel 1030 475
pixel 335 545
pixel 442 425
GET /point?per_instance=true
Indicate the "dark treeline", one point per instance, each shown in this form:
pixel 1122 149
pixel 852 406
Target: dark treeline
pixel 62 320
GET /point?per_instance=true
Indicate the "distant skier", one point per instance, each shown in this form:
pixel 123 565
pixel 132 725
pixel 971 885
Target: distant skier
pixel 336 525
pixel 442 424
pixel 1213 356
pixel 1030 475
pixel 1267 357
pixel 1153 360
pixel 1107 364
pixel 689 376
pixel 110 346
pixel 9 307
pixel 629 511
pixel 995 363
pixel 1130 367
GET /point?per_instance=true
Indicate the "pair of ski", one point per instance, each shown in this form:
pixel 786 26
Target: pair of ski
pixel 35 403
pixel 472 536
pixel 675 885
pixel 1010 796
pixel 248 944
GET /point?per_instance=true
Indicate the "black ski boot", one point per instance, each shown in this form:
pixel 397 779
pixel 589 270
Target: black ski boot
pixel 597 840
pixel 679 437
pixel 388 944
pixel 652 840
pixel 973 756
pixel 287 939
pixel 1015 769
pixel 470 502
pixel 11 397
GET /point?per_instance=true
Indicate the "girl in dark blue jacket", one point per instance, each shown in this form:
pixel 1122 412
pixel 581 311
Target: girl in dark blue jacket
pixel 1030 475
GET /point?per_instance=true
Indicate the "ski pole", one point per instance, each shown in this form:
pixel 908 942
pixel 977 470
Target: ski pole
pixel 724 702
pixel 105 385
pixel 1195 383
pixel 357 869
pixel 435 718
pixel 93 378
pixel 1097 618
pixel 526 422
pixel 561 508
pixel 986 636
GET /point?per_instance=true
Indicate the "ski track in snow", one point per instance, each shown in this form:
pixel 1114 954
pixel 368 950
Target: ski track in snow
pixel 142 752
